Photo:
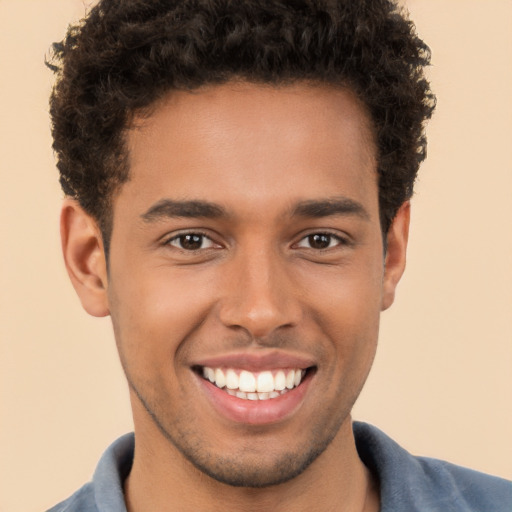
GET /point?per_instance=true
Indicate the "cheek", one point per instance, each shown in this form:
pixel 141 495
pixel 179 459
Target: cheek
pixel 346 294
pixel 154 311
pixel 345 303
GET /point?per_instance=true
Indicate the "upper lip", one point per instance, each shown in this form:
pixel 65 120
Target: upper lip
pixel 257 361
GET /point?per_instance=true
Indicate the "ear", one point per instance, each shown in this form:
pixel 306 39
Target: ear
pixel 84 256
pixel 397 237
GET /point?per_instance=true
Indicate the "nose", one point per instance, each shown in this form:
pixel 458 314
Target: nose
pixel 259 295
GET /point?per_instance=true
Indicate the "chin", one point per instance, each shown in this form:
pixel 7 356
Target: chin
pixel 254 472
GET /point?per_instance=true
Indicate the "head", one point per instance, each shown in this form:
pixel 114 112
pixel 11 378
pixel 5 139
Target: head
pixel 246 162
pixel 126 56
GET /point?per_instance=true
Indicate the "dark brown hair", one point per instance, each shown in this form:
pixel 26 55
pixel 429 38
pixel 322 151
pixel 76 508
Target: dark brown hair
pixel 127 54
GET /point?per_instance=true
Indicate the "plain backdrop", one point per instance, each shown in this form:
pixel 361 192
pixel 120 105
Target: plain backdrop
pixel 442 381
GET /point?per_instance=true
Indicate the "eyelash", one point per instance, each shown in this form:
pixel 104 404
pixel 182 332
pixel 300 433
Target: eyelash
pixel 179 239
pixel 340 241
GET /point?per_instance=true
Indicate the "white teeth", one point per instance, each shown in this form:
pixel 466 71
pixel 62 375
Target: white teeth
pixel 220 379
pixel 279 381
pixel 247 382
pixel 265 382
pixel 209 374
pixel 254 386
pixel 290 379
pixel 231 379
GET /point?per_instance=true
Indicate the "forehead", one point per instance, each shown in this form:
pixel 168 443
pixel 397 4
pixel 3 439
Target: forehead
pixel 252 140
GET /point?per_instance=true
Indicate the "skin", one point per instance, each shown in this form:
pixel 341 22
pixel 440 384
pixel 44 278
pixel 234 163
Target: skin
pixel 255 285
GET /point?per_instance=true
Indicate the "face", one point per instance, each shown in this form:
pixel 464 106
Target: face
pixel 247 275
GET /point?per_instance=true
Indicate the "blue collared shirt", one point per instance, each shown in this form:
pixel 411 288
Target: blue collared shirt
pixel 407 483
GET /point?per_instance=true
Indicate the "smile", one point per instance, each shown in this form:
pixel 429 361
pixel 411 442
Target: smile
pixel 247 385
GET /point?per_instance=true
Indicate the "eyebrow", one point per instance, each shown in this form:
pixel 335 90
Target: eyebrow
pixel 168 208
pixel 331 206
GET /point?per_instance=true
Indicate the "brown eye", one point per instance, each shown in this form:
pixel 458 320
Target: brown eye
pixel 191 242
pixel 320 241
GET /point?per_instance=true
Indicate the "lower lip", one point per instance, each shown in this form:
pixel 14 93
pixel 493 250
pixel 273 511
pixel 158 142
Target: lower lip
pixel 256 412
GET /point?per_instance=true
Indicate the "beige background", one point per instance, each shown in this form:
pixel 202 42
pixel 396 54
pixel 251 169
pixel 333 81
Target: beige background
pixel 442 382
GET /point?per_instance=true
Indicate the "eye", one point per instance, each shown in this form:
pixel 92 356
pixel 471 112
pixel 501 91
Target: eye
pixel 320 241
pixel 191 242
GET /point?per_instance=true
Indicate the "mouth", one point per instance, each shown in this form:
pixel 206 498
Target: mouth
pixel 255 389
pixel 248 385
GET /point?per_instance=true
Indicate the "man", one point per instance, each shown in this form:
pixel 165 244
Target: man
pixel 238 177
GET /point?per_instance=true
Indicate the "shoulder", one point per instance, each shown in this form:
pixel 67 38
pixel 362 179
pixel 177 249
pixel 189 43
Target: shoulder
pixel 81 501
pixel 468 489
pixel 105 492
pixel 424 484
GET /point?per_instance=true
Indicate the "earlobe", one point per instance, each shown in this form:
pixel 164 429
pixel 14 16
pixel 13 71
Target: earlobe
pixel 397 238
pixel 84 256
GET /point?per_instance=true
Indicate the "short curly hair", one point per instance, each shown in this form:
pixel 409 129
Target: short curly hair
pixel 125 55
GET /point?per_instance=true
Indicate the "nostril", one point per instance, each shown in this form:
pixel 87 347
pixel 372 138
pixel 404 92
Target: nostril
pixel 258 304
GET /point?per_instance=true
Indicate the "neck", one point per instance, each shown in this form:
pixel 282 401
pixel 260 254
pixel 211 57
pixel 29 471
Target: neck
pixel 162 479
